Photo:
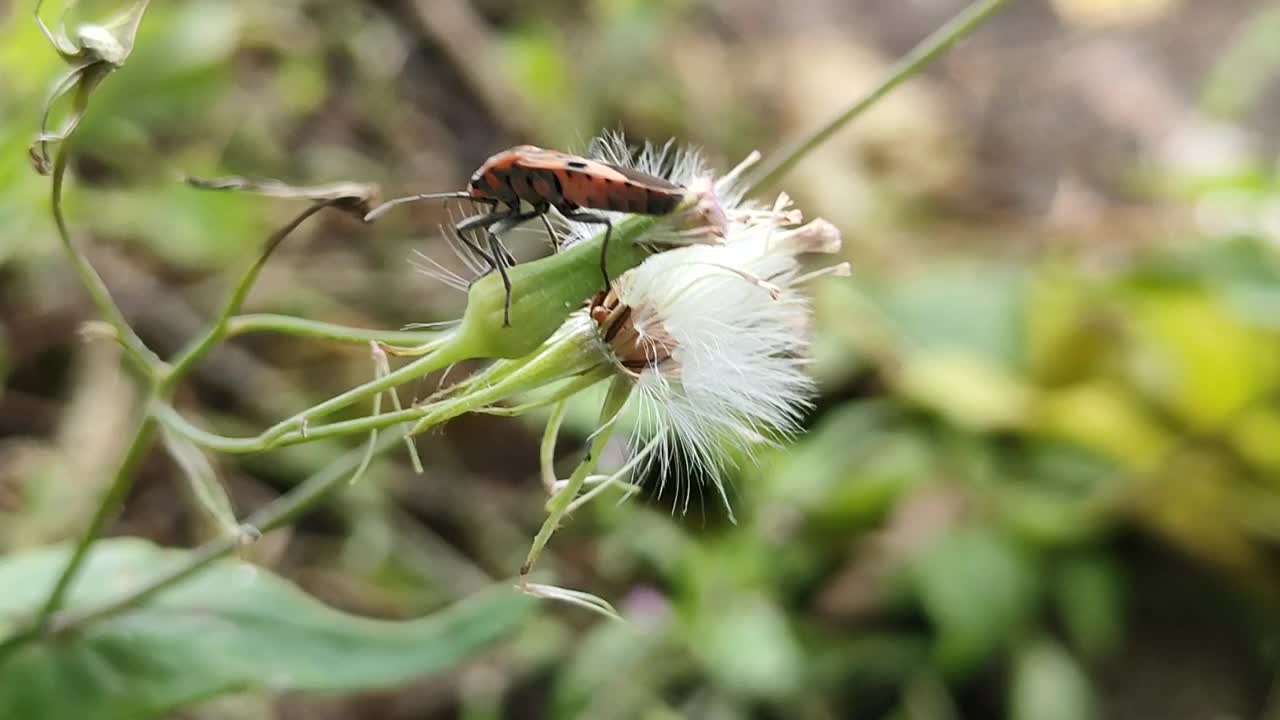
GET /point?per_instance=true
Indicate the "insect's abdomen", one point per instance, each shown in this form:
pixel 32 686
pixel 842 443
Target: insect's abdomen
pixel 545 178
pixel 602 192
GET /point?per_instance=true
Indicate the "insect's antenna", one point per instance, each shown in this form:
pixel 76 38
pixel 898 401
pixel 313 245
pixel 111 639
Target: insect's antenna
pixel 382 209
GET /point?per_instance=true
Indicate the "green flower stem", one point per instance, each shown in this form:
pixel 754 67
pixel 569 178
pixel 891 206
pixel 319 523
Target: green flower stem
pixel 573 356
pixel 547 449
pixel 290 430
pixel 110 504
pixel 381 368
pixel 448 354
pixel 576 358
pixel 367 457
pixel 575 386
pixel 174 420
pixel 560 361
pixel 558 505
pixel 146 362
pixel 143 359
pixel 582 353
pixel 217 330
pixel 910 65
pixel 545 292
pixel 301 327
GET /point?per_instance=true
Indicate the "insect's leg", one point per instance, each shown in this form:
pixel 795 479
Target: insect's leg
pixel 474 247
pixel 482 221
pixel 503 257
pixel 493 260
pixel 604 247
pixel 551 231
pixel 507 257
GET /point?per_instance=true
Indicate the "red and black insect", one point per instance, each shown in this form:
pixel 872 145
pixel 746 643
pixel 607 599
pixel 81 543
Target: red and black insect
pixel 545 179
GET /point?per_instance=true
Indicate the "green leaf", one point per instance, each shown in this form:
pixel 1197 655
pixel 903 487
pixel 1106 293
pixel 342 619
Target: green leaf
pixel 1049 685
pixel 1205 383
pixel 749 646
pixel 1088 591
pixel 233 627
pixel 967 390
pixel 961 308
pixel 977 588
pixel 611 661
pixel 851 468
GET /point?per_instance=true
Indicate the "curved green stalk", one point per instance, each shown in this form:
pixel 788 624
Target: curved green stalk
pixel 319 330
pixel 144 360
pixel 920 57
pixel 110 504
pixel 217 330
pixel 559 504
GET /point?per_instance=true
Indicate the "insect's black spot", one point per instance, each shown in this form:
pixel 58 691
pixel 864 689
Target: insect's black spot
pixel 577 164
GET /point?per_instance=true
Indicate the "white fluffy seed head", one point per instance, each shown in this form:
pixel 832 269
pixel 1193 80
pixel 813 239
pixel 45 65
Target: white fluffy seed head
pixel 714 337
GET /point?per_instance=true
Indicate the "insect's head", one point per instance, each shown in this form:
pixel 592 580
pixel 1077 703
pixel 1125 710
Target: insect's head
pixel 479 186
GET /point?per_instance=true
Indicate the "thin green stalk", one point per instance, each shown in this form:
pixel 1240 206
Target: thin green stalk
pixel 920 57
pixel 547 450
pixel 301 327
pixel 167 415
pixel 381 367
pixel 135 351
pixel 557 362
pixel 297 429
pixel 423 415
pixel 110 504
pixel 558 505
pixel 143 359
pixel 440 359
pixel 367 457
pixel 579 383
pixel 217 330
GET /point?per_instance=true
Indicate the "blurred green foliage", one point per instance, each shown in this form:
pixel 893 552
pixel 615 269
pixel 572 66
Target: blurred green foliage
pixel 232 628
pixel 1044 469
